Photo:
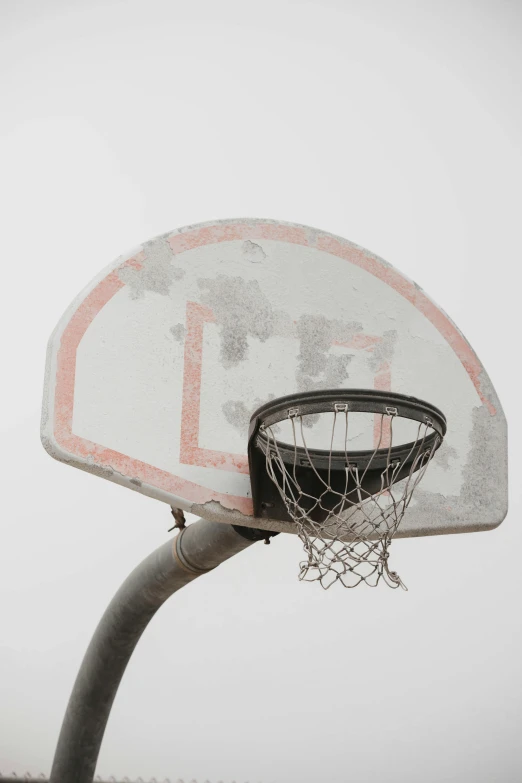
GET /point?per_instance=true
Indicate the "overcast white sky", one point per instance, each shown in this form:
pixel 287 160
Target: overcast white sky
pixel 395 124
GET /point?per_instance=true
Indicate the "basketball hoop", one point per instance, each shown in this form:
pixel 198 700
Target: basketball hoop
pixel 346 504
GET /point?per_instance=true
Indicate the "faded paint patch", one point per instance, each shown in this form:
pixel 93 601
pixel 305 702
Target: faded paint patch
pixel 238 415
pixel 485 472
pixel 317 367
pixel 315 338
pixel 484 487
pixel 489 392
pixel 252 252
pixel 178 332
pixel 241 310
pixel 311 235
pixel 444 455
pixel 383 350
pixel 156 272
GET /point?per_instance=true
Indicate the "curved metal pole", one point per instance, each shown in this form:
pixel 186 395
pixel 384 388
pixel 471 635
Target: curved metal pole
pixel 197 549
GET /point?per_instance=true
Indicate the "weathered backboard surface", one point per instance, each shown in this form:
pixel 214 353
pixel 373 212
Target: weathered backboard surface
pixel 153 372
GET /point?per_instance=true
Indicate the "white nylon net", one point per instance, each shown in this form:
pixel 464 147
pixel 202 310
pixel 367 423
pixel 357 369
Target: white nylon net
pixel 351 541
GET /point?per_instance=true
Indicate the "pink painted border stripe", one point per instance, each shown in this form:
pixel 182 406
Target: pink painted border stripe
pixel 64 402
pixel 110 285
pixel 190 452
pixel 418 299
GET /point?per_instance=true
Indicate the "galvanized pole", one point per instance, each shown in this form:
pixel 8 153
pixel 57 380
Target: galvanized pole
pixel 198 548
